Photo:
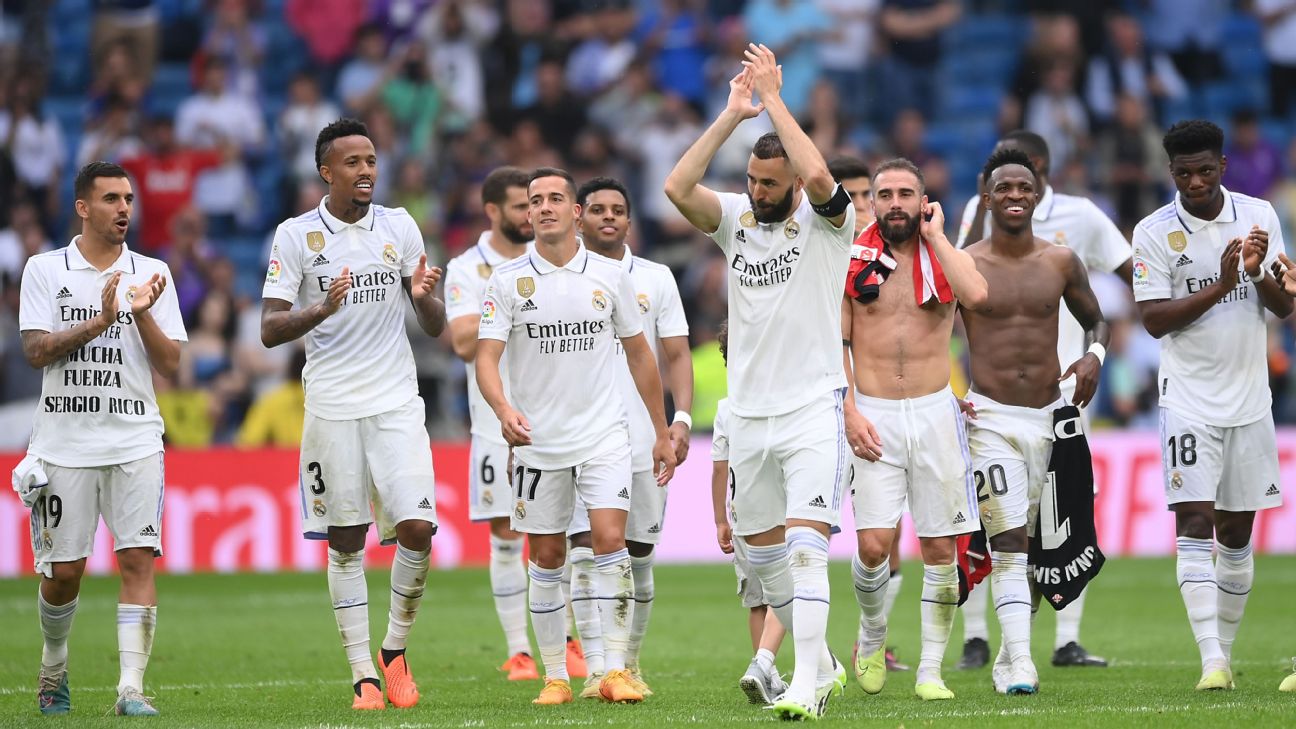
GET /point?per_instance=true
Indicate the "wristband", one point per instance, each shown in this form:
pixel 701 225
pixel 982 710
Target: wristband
pixel 1098 351
pixel 1259 278
pixel 683 417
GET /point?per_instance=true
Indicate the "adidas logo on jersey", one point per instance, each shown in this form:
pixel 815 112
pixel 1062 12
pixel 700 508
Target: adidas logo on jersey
pixel 625 493
pixel 148 531
pixel 63 294
pixel 819 502
pixel 741 236
pixel 320 260
pixel 1273 490
pixel 959 518
pixel 529 306
pixel 1183 261
pixel 425 504
pixel 654 529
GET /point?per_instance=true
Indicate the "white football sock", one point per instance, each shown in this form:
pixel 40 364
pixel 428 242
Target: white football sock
pixel 1012 601
pixel 892 590
pixel 615 587
pixel 1234 573
pixel 939 601
pixel 135 624
pixel 975 609
pixel 1196 575
pixel 509 586
pixel 808 557
pixel 641 569
pixel 770 564
pixel 56 624
pixel 350 595
pixel 408 581
pixel 1068 621
pixel 585 606
pixel 549 619
pixel 872 585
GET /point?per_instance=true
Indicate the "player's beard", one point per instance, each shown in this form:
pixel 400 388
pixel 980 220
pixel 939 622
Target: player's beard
pixel 774 214
pixel 514 233
pixel 897 233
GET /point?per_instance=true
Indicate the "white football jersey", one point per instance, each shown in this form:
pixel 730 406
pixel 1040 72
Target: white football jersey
pixel 358 361
pixel 720 449
pixel 97 406
pixel 1077 223
pixel 466 278
pixel 561 325
pixel 784 287
pixel 1214 370
pixel 663 316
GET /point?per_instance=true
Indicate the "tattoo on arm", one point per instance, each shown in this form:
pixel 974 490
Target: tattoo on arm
pixel 45 348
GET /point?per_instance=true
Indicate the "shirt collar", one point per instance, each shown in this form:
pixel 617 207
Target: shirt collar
pixel 627 260
pixel 336 226
pixel 74 260
pixel 1044 208
pixel 576 264
pixel 1194 224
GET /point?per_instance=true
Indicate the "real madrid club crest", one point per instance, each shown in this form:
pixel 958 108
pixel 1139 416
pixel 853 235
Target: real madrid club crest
pixel 748 220
pixel 484 270
pixel 1177 240
pixel 1059 238
pixel 599 300
pixel 389 255
pixel 643 303
pixel 130 294
pixel 318 508
pixel 487 499
pixel 1176 480
pixel 315 241
pixel 47 541
pixel 791 229
pixel 525 287
pixel 520 510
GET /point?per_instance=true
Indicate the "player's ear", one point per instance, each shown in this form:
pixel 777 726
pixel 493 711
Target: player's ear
pixel 1223 164
pixel 325 174
pixel 82 209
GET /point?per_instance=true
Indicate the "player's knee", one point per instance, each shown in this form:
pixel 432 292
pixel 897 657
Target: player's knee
pixel 135 565
pixel 938 550
pixel 1234 533
pixel 502 529
pixel 608 543
pixel 1013 540
pixel 415 534
pixel 873 552
pixel 639 549
pixel 1194 525
pixel 65 579
pixel 347 539
pixel 548 556
pixel 582 539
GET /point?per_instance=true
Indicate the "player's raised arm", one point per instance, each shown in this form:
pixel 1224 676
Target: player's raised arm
pixel 698 203
pixel 1162 316
pixel 430 309
pixel 280 323
pixel 968 285
pixel 1083 305
pixel 766 79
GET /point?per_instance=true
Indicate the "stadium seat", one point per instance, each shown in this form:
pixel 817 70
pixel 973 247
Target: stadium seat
pixel 960 102
pixel 987 31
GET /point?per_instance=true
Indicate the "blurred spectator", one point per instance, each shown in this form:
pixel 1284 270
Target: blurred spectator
pixel 23 239
pixel 629 106
pixel 329 27
pixel 1054 41
pixel 593 156
pixel 658 148
pixel 792 29
pixel 414 100
pixel 1127 66
pixel 1283 196
pixel 455 31
pixel 275 418
pixel 1132 162
pixel 601 59
pixel 112 137
pixel 189 256
pixel 906 140
pixel 398 18
pixel 1190 31
pixel 846 50
pixel 34 143
pixel 413 192
pixel 188 412
pixel 134 21
pixel 300 123
pixel 239 41
pixel 557 112
pixel 527 148
pixel 1056 113
pixel 1254 165
pixel 516 53
pixel 387 143
pixel 118 76
pixel 217 118
pixel 912 29
pixel 164 176
pixel 1279 20
pixel 360 83
pixel 673 34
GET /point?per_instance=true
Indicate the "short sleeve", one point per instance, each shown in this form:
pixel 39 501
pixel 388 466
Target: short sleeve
pixel 1105 249
pixel 1276 242
pixel 843 235
pixel 166 311
pixel 496 311
pixel 459 297
pixel 626 319
pixel 670 312
pixel 412 241
pixel 732 207
pixel 720 435
pixel 284 274
pixel 35 312
pixel 1151 277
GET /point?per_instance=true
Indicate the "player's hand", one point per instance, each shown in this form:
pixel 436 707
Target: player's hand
pixel 515 428
pixel 1254 249
pixel 148 294
pixel 740 97
pixel 663 459
pixel 1285 271
pixel 679 437
pixel 1229 260
pixel 1086 371
pixel 724 537
pixel 766 74
pixel 337 293
pixel 862 436
pixel 934 226
pixel 108 300
pixel 968 409
pixel 424 280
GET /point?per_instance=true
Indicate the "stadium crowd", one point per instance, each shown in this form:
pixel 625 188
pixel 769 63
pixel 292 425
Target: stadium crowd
pixel 213 107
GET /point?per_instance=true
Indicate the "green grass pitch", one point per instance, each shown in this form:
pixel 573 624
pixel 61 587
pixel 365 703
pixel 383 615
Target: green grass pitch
pixel 263 651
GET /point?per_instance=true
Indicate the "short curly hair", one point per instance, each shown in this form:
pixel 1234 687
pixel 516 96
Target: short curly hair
pixel 345 127
pixel 1192 136
pixel 1004 157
